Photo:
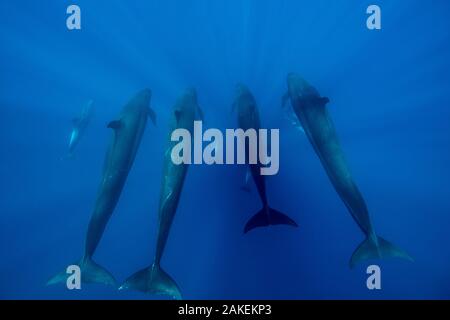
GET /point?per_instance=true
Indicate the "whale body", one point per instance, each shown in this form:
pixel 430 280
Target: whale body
pixel 313 115
pixel 127 134
pixel 154 279
pixel 79 126
pixel 248 118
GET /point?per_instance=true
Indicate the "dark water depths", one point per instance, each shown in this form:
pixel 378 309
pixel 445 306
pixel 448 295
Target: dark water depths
pixel 389 98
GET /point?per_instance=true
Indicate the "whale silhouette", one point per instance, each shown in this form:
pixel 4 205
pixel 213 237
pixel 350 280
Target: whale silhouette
pixel 312 113
pixel 79 125
pixel 128 131
pixel 154 279
pixel 248 118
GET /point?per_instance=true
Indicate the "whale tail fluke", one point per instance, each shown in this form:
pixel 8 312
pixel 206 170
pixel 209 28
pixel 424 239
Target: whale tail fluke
pixel 90 272
pixel 374 247
pixel 153 280
pixel 268 217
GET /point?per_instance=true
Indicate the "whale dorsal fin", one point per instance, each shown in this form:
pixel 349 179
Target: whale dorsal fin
pixel 322 100
pixel 116 124
pixel 315 100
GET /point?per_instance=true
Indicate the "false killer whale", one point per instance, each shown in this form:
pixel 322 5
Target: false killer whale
pixel 310 109
pixel 128 131
pixel 248 118
pixel 79 125
pixel 154 279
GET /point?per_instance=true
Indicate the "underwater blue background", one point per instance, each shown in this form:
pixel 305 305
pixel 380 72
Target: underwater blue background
pixel 389 93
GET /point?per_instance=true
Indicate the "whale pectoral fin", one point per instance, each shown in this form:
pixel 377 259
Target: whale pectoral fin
pixel 322 101
pixel 293 119
pixel 116 124
pixel 200 115
pixel 75 121
pixel 152 115
pixel 284 99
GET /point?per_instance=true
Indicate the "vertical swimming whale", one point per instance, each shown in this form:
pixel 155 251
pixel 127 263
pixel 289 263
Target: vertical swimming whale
pixel 248 118
pixel 154 279
pixel 128 130
pixel 79 126
pixel 318 126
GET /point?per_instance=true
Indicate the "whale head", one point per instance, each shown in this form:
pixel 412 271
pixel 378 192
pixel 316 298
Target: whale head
pixel 299 86
pixel 144 95
pixel 140 100
pixel 241 90
pixel 187 103
pixel 138 106
pixel 190 96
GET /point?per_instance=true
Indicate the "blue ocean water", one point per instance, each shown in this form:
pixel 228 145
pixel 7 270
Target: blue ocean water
pixel 389 99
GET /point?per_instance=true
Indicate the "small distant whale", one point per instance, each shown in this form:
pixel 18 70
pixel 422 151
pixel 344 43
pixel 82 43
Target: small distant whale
pixel 248 118
pixel 154 279
pixel 318 126
pixel 79 125
pixel 128 130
